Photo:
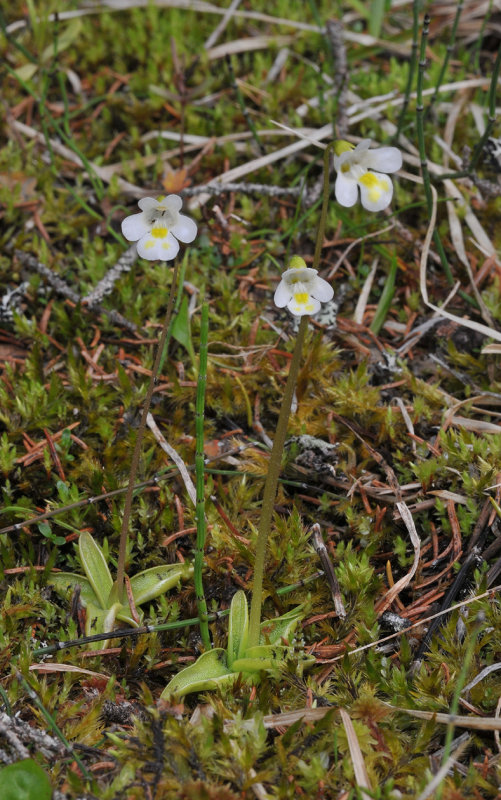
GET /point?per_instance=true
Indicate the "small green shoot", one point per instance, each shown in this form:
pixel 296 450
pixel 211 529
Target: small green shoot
pixel 98 594
pixel 220 667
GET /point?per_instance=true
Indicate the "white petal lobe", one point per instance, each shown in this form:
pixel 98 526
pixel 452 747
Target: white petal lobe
pixel 346 190
pixel 135 226
pixel 184 229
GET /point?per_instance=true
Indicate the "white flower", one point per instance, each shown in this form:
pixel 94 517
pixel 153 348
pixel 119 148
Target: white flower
pixel 301 290
pixel 158 227
pixel 355 167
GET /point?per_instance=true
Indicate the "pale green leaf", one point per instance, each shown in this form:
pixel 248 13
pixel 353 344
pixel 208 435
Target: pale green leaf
pixel 95 567
pixel 261 657
pixel 25 780
pixel 99 620
pixel 238 627
pixel 274 630
pixel 124 615
pixel 155 581
pixel 208 672
pixel 65 582
pixel 181 329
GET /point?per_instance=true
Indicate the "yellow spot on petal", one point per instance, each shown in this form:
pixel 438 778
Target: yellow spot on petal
pixel 375 185
pixel 342 146
pixel 165 246
pixel 149 244
pixel 159 233
pixel 160 198
pixel 301 298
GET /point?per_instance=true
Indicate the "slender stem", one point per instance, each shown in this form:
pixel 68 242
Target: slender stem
pixel 491 119
pixel 180 287
pixel 448 53
pixel 139 439
pixel 200 478
pixel 323 213
pixel 460 682
pixel 270 488
pixel 53 724
pixel 412 65
pixel 422 149
pixel 480 38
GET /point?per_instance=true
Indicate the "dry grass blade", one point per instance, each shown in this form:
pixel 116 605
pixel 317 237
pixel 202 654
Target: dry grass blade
pixel 263 161
pixel 395 590
pixel 442 772
pixel 48 668
pixel 357 758
pixel 467 323
pixel 459 721
pixel 178 461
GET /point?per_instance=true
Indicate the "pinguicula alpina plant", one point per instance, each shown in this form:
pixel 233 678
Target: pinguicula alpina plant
pixel 361 168
pixel 156 229
pixel 255 646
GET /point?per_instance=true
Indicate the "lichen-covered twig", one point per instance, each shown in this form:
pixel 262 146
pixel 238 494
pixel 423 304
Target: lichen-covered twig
pixel 61 287
pixel 106 284
pixel 216 187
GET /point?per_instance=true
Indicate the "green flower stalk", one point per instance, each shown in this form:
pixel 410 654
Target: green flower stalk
pixel 302 291
pixel 200 475
pixel 157 229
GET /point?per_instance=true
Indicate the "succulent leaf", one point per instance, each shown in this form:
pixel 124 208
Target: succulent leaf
pixel 95 567
pixel 238 627
pixel 153 582
pixel 208 671
pixel 274 630
pixel 65 582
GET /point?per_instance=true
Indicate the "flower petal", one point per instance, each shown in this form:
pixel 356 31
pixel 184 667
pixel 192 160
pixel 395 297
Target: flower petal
pixel 346 190
pixel 363 145
pixel 282 295
pixel 135 226
pixel 185 229
pixel 297 274
pixel 322 290
pixel 173 202
pixel 163 248
pixel 147 203
pixel 383 159
pixel 376 191
pixel 299 306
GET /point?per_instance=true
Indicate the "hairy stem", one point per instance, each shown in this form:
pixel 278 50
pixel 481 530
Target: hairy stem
pixel 270 488
pixel 412 66
pixel 422 150
pixel 200 478
pixel 139 439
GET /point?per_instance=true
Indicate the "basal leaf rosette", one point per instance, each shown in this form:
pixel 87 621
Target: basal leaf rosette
pixel 97 591
pixel 221 667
